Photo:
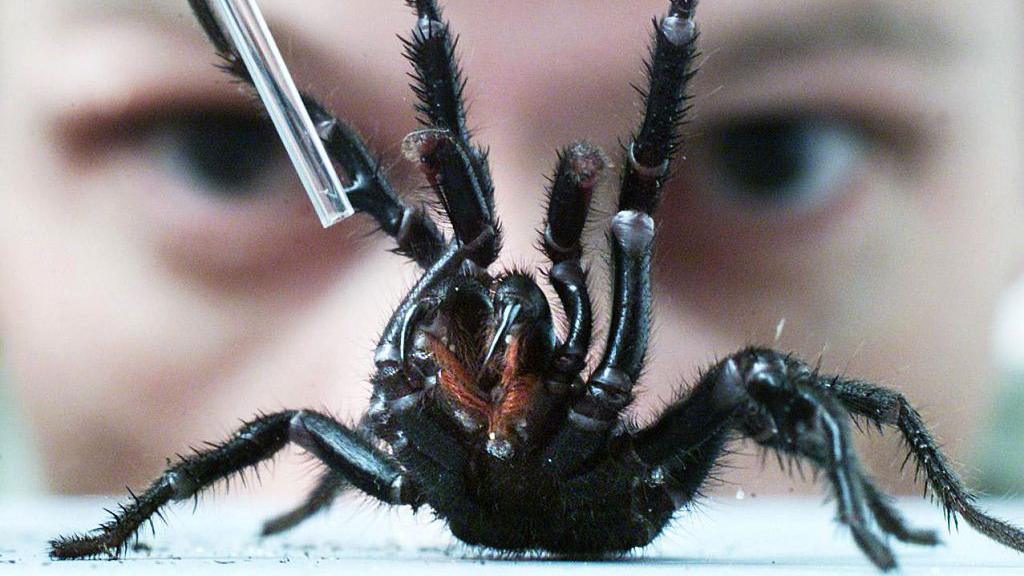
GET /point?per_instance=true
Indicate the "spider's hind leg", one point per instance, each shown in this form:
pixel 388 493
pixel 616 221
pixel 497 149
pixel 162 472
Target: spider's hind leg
pixel 342 450
pixel 889 408
pixel 785 406
pixel 328 487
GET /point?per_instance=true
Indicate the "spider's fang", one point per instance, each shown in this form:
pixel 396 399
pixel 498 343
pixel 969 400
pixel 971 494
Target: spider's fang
pixel 508 318
pixel 414 315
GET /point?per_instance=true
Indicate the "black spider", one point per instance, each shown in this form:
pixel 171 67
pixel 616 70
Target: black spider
pixel 479 409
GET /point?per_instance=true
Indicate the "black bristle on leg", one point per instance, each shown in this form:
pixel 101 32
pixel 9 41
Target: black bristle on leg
pixel 254 442
pixel 345 453
pixel 439 82
pixel 440 86
pixel 891 408
pixel 786 406
pixel 464 183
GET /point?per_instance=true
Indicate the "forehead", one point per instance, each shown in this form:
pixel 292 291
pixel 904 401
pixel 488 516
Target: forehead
pixel 737 33
pixel 865 15
pixel 926 28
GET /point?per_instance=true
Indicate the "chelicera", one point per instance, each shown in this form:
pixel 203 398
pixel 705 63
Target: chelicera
pixel 484 413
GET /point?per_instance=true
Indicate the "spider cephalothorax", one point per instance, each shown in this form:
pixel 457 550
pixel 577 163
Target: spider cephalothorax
pixel 483 412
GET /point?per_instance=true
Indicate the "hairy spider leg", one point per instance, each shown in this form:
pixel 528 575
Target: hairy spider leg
pixel 328 486
pixel 889 408
pixel 409 224
pixel 785 406
pixel 347 453
pixel 457 171
pixel 646 168
pixel 578 172
pixel 351 456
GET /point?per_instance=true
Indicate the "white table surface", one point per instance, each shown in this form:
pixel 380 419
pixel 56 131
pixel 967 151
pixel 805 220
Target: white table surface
pixel 752 536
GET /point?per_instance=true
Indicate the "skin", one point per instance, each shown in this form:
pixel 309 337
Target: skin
pixel 142 311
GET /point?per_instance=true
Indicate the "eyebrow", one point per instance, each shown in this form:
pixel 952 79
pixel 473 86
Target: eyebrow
pixel 160 10
pixel 837 27
pixel 175 17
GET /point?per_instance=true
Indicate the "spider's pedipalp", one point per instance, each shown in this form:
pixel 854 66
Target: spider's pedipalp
pixel 580 169
pixel 449 170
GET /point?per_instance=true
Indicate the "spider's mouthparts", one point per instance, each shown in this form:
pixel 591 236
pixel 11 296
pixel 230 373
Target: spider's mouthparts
pixel 499 447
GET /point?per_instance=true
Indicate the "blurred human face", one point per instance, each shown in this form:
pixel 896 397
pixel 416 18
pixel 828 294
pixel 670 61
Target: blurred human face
pixel 848 189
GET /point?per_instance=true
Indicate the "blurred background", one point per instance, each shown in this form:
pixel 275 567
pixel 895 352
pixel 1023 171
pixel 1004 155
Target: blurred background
pixel 852 175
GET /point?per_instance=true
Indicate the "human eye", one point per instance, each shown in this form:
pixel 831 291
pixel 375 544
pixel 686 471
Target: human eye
pixel 767 181
pixel 199 175
pixel 168 150
pixel 221 153
pixel 212 149
pixel 788 162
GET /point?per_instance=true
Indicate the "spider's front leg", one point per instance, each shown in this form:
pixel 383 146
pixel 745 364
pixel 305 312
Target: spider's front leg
pixel 457 170
pixel 414 232
pixel 785 406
